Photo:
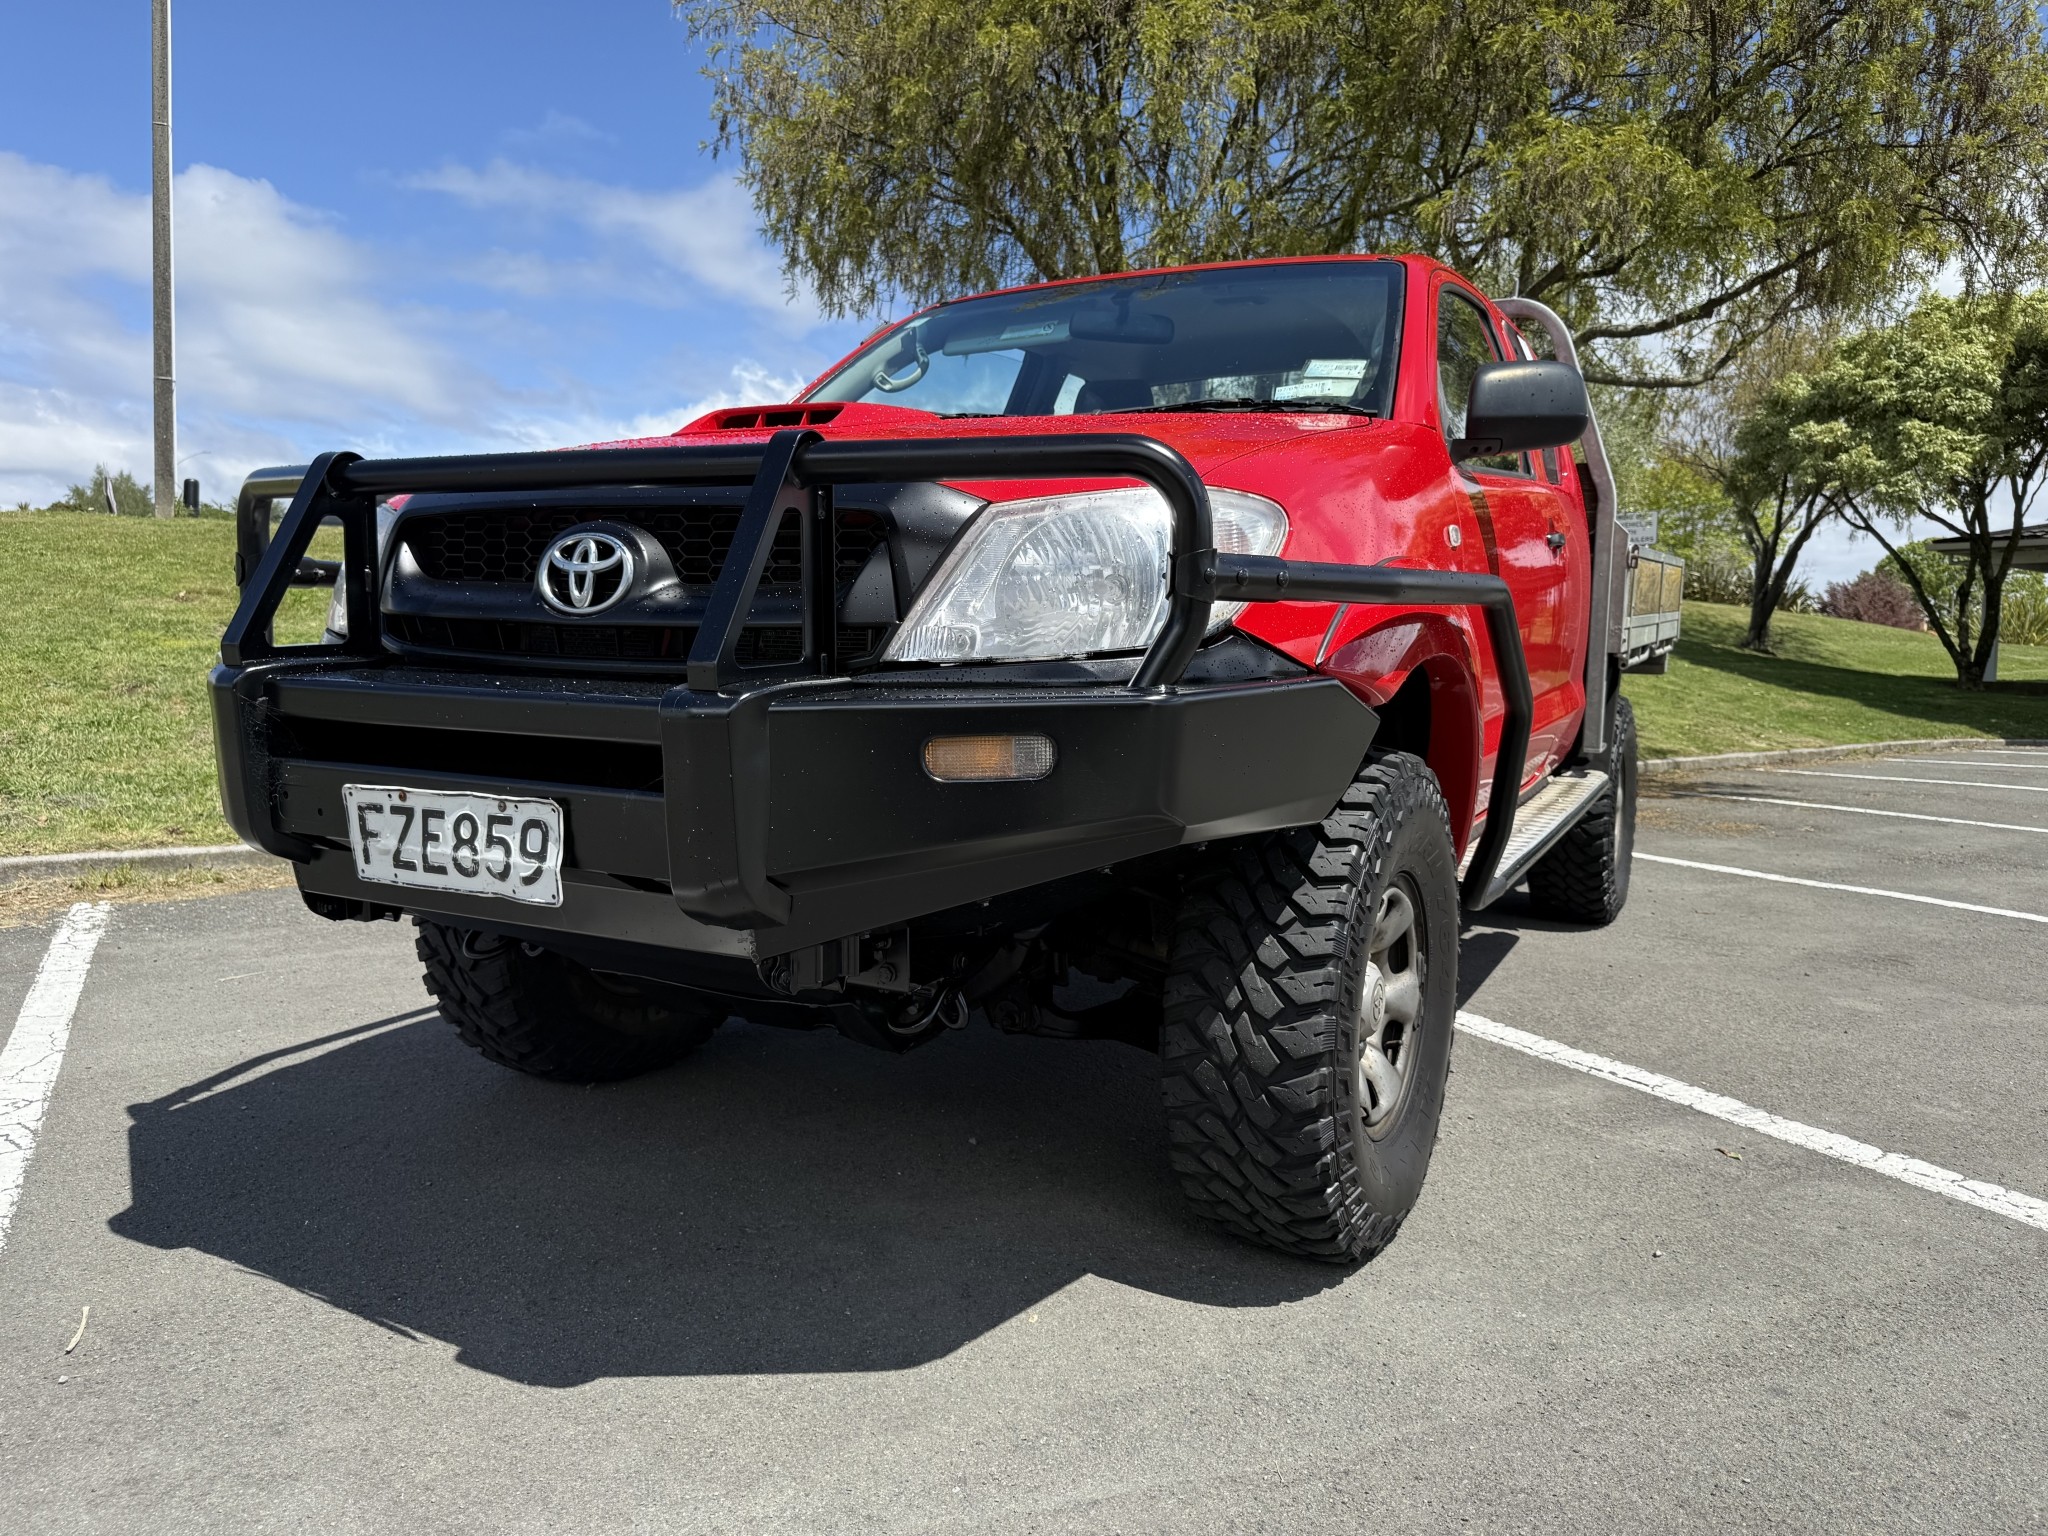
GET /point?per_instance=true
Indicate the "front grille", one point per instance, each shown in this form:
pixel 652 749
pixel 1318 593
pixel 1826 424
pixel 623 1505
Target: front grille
pixel 859 642
pixel 506 637
pixel 761 645
pixel 855 536
pixel 503 547
pixel 485 545
pixel 481 544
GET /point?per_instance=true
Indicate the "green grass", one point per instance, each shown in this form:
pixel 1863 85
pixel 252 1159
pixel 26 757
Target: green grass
pixel 108 626
pixel 1832 682
pixel 107 629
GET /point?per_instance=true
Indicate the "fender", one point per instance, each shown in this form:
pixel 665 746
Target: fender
pixel 1378 662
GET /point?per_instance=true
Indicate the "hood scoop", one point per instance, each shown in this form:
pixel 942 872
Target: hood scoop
pixel 775 418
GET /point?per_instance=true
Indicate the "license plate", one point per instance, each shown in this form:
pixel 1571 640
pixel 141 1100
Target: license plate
pixel 433 840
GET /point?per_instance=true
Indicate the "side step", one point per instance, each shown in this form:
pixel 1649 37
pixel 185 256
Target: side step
pixel 1540 821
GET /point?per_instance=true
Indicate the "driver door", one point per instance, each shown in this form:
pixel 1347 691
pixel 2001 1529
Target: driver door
pixel 1527 541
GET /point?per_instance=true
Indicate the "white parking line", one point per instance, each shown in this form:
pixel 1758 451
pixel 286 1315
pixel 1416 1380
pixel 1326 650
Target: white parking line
pixel 1857 890
pixel 1900 778
pixel 1985 1196
pixel 34 1052
pixel 1860 810
pixel 1963 762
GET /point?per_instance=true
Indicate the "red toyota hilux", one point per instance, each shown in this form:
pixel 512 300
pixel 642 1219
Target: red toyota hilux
pixel 1167 657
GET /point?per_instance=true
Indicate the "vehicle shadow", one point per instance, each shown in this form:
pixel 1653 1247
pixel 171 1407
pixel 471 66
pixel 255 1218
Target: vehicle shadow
pixel 779 1203
pixel 1480 953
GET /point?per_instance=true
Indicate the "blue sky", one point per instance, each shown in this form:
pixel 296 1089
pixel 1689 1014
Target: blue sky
pixel 425 227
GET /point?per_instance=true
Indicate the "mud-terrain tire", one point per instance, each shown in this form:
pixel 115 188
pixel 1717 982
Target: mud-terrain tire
pixel 1584 879
pixel 1285 967
pixel 546 1015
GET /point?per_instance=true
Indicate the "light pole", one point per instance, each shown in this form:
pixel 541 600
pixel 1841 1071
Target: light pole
pixel 163 393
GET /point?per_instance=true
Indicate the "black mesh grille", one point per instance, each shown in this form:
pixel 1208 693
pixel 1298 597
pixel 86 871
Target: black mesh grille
pixel 761 645
pixel 501 637
pixel 488 545
pixel 854 538
pixel 859 642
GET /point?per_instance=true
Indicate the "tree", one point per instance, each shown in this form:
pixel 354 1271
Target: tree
pixel 1943 416
pixel 1677 177
pixel 1738 435
pixel 1653 477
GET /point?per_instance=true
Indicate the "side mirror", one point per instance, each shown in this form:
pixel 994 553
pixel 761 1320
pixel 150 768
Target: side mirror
pixel 1522 406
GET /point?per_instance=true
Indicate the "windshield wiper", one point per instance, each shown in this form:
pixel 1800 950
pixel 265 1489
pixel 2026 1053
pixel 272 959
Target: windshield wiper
pixel 1317 407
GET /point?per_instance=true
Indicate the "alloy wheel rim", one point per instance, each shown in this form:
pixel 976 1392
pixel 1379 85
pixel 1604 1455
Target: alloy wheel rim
pixel 1390 1007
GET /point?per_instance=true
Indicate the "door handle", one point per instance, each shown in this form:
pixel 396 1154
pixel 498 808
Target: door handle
pixel 1555 539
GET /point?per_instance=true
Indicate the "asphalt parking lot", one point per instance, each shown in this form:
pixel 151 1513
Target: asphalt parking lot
pixel 346 1276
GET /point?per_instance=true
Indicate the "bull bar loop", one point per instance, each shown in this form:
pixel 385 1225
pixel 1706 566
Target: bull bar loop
pixel 796 465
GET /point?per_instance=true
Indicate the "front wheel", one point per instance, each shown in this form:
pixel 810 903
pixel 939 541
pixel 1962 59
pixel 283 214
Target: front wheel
pixel 544 1014
pixel 1307 1032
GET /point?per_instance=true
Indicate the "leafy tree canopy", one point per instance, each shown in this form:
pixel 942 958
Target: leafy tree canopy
pixel 1943 416
pixel 1736 436
pixel 1676 177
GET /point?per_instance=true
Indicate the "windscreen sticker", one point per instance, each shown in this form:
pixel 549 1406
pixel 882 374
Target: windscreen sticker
pixel 1352 368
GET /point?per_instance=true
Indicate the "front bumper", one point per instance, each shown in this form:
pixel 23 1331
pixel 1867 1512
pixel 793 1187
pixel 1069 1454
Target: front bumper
pixel 755 824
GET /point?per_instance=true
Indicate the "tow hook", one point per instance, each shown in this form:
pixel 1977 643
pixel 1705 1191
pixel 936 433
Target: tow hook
pixel 878 961
pixel 948 1010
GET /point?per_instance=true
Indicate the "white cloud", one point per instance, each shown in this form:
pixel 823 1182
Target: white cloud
pixel 670 247
pixel 281 335
pixel 65 357
pixel 294 335
pixel 555 129
pixel 279 319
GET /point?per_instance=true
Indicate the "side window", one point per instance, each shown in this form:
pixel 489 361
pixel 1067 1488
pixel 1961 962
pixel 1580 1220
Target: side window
pixel 1548 457
pixel 1567 471
pixel 1463 342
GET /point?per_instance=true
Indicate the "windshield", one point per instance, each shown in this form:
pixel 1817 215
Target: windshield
pixel 1300 336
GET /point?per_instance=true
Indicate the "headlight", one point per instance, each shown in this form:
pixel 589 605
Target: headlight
pixel 337 605
pixel 1068 576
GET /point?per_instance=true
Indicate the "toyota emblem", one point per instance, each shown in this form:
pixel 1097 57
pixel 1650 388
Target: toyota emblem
pixel 585 571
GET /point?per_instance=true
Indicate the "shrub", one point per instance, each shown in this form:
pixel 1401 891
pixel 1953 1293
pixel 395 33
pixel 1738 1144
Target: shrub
pixel 1875 597
pixel 119 493
pixel 1718 577
pixel 1798 598
pixel 2023 611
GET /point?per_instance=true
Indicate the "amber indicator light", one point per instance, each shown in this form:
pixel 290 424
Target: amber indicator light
pixel 988 759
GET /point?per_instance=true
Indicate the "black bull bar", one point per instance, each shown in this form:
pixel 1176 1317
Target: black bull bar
pixel 792 474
